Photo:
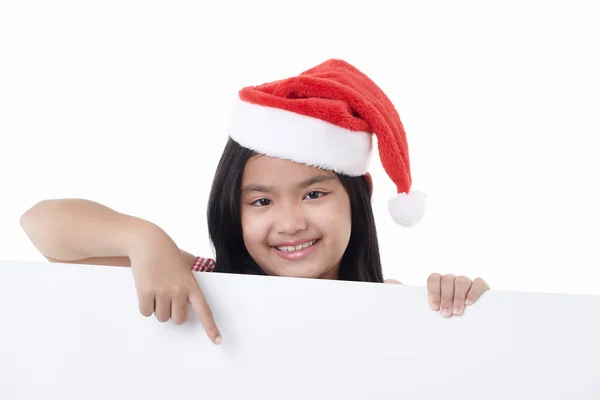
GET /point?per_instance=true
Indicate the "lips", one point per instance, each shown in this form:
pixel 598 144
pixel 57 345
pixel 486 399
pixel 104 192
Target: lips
pixel 296 250
pixel 298 247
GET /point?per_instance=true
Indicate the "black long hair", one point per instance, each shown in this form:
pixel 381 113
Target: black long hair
pixel 360 262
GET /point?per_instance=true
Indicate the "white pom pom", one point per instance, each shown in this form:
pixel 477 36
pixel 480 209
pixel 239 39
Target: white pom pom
pixel 407 208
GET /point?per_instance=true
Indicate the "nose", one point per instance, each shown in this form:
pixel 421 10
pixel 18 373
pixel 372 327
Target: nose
pixel 291 219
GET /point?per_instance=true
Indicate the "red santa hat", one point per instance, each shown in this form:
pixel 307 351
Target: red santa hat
pixel 326 117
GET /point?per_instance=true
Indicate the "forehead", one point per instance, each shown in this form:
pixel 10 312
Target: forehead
pixel 264 168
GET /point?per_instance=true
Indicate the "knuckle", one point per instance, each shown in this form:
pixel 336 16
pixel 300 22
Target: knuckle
pixel 463 280
pixel 176 290
pixel 446 298
pixel 207 313
pixel 146 292
pixel 212 329
pixel 482 283
pixel 448 278
pixel 459 297
pixel 171 290
pixel 434 277
pixel 160 290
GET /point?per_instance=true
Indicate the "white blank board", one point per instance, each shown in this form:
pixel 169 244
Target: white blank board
pixel 75 332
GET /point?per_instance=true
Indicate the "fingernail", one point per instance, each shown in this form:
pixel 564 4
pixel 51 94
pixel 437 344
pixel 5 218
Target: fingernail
pixel 446 312
pixel 218 340
pixel 435 306
pixel 468 301
pixel 456 311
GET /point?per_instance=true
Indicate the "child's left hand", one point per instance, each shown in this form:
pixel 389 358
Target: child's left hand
pixel 449 294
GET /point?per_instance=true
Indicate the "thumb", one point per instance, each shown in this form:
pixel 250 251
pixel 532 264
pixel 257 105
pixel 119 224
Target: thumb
pixel 201 308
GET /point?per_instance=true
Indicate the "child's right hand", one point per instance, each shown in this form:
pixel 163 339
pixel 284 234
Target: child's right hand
pixel 85 232
pixel 165 283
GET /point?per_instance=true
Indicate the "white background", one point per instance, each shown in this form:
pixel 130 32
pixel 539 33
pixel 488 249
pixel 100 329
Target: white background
pixel 126 103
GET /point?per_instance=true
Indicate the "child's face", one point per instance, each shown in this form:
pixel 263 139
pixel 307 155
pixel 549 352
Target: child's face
pixel 288 204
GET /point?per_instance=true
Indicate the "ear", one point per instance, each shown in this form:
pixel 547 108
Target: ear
pixel 370 181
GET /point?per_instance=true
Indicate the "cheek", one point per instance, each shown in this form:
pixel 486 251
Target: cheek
pixel 336 220
pixel 254 228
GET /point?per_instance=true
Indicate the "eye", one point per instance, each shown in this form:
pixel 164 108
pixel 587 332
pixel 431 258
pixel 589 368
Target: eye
pixel 261 202
pixel 315 194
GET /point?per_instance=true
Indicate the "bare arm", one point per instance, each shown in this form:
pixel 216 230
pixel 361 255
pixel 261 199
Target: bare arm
pixel 85 232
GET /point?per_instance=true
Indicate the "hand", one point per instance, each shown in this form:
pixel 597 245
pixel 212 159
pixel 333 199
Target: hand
pixel 449 294
pixel 165 283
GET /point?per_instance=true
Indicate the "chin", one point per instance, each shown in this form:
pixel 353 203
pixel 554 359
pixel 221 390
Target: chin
pixel 297 270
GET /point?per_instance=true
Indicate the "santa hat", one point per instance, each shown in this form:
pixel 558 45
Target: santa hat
pixel 326 117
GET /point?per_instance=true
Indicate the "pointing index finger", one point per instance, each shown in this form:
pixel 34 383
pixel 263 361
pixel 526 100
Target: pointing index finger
pixel 203 311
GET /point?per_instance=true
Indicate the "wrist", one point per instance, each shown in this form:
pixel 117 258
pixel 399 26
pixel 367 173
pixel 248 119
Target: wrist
pixel 139 235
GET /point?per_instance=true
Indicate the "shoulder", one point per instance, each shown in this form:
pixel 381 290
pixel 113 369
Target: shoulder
pixel 202 264
pixel 393 281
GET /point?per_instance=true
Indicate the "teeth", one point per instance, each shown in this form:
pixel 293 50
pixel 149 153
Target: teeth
pixel 296 248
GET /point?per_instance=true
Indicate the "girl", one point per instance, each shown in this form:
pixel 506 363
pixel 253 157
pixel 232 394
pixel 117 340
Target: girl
pixel 291 197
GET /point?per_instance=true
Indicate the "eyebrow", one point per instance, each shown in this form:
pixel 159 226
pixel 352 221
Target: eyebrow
pixel 301 185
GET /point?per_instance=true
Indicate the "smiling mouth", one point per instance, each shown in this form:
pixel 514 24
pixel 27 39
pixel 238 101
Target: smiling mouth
pixel 289 249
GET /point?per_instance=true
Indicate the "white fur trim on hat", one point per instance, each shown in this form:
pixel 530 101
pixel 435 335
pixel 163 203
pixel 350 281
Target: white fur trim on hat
pixel 407 209
pixel 288 135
